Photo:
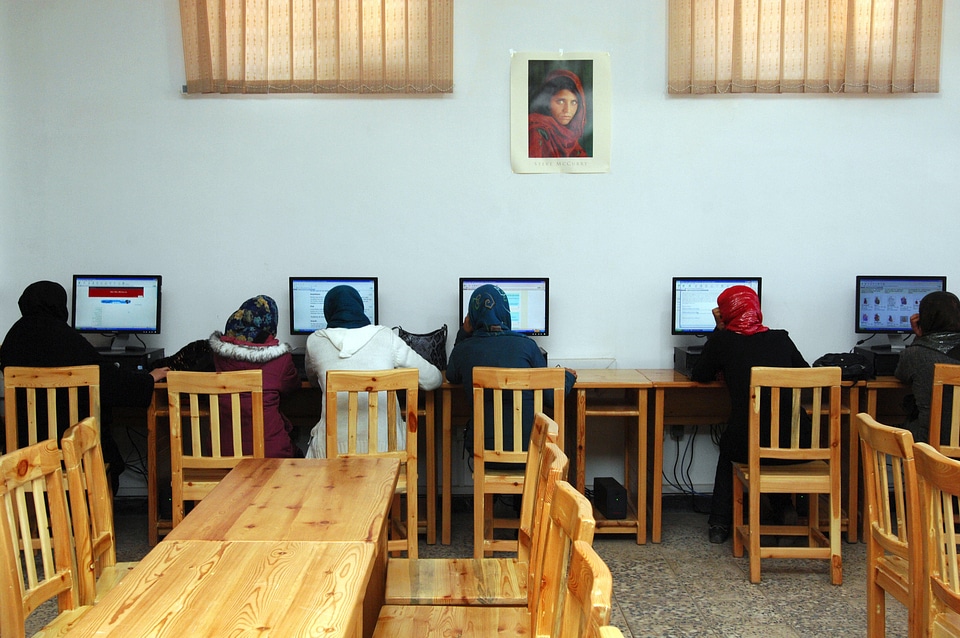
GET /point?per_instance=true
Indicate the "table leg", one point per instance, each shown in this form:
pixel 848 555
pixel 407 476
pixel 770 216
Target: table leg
pixel 431 469
pixel 581 478
pixel 641 457
pixel 446 453
pixel 853 465
pixel 152 496
pixel 656 484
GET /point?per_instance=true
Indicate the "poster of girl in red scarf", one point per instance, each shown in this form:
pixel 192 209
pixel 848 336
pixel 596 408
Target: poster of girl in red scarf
pixel 560 106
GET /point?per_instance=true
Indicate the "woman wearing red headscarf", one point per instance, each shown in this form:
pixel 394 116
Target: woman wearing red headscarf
pixel 739 343
pixel 558 116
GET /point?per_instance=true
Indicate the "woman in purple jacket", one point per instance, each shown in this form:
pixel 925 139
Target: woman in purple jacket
pixel 249 342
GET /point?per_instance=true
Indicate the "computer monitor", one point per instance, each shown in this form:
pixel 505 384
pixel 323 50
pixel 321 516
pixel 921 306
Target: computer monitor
pixel 307 295
pixel 694 299
pixel 529 301
pixel 885 303
pixel 123 305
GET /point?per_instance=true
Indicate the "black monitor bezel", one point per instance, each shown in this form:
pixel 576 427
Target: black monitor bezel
pixel 342 280
pixel 509 280
pixel 139 331
pixel 858 329
pixel 673 304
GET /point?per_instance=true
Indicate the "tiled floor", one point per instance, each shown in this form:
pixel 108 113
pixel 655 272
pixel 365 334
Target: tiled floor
pixel 683 586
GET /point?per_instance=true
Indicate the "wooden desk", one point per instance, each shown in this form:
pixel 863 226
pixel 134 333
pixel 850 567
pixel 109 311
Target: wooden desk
pixel 680 401
pixel 296 500
pixel 221 588
pixel 158 409
pixel 632 404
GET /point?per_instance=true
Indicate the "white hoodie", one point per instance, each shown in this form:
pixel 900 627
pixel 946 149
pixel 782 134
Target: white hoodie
pixel 367 348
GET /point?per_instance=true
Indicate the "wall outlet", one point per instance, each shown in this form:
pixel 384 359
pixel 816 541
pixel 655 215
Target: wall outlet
pixel 676 432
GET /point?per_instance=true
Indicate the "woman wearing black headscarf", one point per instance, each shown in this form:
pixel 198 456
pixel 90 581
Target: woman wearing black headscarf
pixel 249 342
pixel 43 338
pixel 351 342
pixel 937 327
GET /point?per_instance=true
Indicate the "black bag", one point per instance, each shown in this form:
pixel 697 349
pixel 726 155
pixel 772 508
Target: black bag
pixel 432 346
pixel 196 356
pixel 853 367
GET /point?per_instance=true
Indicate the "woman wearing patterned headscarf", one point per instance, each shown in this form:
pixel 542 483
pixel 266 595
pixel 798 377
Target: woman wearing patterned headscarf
pixel 351 342
pixel 739 343
pixel 558 116
pixel 485 339
pixel 249 342
pixel 937 327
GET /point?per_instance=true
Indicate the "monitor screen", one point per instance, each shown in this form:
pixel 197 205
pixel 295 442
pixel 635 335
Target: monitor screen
pixel 694 299
pixel 529 301
pixel 306 300
pixel 885 303
pixel 116 303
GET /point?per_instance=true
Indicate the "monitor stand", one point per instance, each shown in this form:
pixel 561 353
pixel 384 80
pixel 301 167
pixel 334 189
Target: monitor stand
pixel 894 345
pixel 123 341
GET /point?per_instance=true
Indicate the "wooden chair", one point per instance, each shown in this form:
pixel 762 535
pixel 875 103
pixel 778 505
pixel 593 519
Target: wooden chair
pixel 893 523
pixel 813 471
pixel 570 519
pixel 609 631
pixel 91 509
pixel 198 461
pixel 589 594
pixel 939 482
pixel 46 393
pixel 363 390
pixel 487 581
pixel 945 376
pixel 32 496
pixel 506 386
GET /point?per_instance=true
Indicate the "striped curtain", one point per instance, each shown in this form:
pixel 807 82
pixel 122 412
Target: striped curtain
pixel 318 46
pixel 812 46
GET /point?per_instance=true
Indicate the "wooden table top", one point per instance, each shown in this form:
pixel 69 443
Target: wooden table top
pixel 223 588
pixel 610 378
pixel 296 500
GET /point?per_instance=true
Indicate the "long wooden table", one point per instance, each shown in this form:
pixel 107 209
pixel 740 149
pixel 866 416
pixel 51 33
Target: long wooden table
pixel 281 547
pixel 158 411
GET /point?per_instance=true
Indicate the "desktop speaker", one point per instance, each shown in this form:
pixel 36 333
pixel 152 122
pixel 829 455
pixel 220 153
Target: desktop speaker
pixel 685 358
pixel 610 498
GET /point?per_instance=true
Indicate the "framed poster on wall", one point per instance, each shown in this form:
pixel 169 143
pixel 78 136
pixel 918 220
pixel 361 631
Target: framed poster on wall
pixel 560 112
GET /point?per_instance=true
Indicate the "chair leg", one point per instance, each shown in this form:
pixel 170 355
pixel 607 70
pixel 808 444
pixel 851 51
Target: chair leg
pixel 754 534
pixel 488 525
pixel 836 561
pixel 876 603
pixel 737 516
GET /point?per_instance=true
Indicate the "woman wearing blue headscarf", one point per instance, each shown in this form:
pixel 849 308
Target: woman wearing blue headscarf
pixel 485 339
pixel 351 342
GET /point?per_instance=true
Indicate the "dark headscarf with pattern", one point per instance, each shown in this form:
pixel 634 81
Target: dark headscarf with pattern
pixel 489 311
pixel 44 299
pixel 343 308
pixel 254 322
pixel 740 310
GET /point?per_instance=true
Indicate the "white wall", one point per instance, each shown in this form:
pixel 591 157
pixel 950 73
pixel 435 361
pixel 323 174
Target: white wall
pixel 104 166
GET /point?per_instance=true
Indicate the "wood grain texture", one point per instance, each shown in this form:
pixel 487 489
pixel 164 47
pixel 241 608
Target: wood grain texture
pixel 263 588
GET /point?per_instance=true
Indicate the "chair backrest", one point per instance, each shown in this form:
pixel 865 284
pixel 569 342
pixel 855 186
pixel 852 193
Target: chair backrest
pixel 366 392
pixel 553 471
pixel 894 523
pixel 588 596
pixel 91 506
pixel 32 496
pixel 946 379
pixel 939 481
pixel 570 519
pixel 545 430
pixel 48 396
pixel 507 386
pixel 197 422
pixel 773 390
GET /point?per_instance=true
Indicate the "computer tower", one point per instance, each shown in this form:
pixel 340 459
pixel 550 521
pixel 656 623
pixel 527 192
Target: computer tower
pixel 685 358
pixel 884 359
pixel 610 498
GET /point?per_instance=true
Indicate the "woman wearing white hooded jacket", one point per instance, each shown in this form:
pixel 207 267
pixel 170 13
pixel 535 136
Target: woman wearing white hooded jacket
pixel 350 342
